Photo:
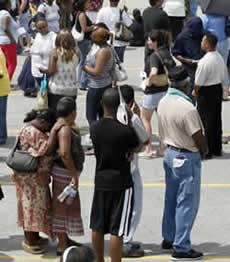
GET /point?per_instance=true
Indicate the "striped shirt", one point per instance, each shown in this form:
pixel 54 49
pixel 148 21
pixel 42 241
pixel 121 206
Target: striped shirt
pixel 105 77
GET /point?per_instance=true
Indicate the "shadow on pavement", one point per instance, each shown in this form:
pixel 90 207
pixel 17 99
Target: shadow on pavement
pixel 4 257
pixel 13 242
pixel 210 249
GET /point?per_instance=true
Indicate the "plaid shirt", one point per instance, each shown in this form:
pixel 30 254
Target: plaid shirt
pixel 95 5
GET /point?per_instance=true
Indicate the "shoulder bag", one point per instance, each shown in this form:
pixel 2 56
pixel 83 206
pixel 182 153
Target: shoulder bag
pixel 78 36
pixel 161 79
pixel 122 32
pixel 22 161
pixel 42 95
pixel 118 72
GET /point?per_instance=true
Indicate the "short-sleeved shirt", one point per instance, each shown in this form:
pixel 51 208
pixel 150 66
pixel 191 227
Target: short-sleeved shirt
pixel 178 121
pixel 112 142
pixel 40 52
pixel 111 16
pixel 13 27
pixel 210 70
pixel 175 8
pixel 155 18
pixel 52 15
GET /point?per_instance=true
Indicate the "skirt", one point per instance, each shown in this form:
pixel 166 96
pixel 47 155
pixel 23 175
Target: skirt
pixel 66 217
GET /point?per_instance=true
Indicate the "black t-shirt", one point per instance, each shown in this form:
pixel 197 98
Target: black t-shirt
pixel 155 60
pixel 112 143
pixel 155 18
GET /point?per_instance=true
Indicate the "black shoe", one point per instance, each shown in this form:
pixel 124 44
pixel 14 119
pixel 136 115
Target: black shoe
pixel 208 156
pixel 186 256
pixel 166 245
pixel 132 250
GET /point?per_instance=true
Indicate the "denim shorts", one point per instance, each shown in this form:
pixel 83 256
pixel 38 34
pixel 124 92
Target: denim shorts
pixel 152 101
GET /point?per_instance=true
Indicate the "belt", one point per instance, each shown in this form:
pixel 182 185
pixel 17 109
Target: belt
pixel 179 149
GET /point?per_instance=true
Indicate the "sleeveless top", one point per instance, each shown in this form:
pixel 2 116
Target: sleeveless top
pixel 87 35
pixel 105 77
pixel 64 81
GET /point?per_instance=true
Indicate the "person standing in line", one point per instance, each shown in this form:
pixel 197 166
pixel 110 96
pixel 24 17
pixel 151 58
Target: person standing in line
pixel 94 8
pixel 208 91
pixel 110 16
pixel 181 129
pixel 40 51
pixel 62 69
pixel 153 18
pixel 83 24
pixel 176 11
pixel 131 248
pixel 8 36
pixel 113 195
pixel 187 48
pixel 137 28
pixel 216 24
pixel 4 92
pixel 51 11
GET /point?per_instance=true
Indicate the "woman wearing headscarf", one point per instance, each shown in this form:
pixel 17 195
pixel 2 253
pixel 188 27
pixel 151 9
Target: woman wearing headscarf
pixel 187 48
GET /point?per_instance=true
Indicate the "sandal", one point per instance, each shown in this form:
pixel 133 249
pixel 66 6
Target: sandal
pixel 35 250
pixel 42 241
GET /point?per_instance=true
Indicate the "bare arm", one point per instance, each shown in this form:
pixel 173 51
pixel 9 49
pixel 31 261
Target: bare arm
pixel 196 90
pixel 184 60
pixel 64 138
pixel 83 23
pixel 102 58
pixel 200 142
pixel 22 7
pixel 6 28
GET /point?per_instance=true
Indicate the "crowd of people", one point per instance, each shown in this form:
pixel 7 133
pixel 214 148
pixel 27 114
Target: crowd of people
pixel 73 45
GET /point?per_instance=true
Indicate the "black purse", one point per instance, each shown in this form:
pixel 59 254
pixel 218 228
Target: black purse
pixel 123 33
pixel 22 161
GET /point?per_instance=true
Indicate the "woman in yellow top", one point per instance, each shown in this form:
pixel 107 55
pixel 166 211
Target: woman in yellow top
pixel 4 92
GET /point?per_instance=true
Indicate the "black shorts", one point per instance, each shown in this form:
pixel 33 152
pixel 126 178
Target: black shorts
pixel 228 62
pixel 112 211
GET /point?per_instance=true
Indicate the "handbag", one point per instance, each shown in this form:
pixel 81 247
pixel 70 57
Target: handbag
pixel 160 80
pixel 118 72
pixel 122 114
pixel 22 161
pixel 42 95
pixel 122 32
pixel 78 36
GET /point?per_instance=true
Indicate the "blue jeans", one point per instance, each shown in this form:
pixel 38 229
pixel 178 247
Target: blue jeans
pixel 193 7
pixel 3 122
pixel 222 48
pixel 84 47
pixel 120 50
pixel 182 197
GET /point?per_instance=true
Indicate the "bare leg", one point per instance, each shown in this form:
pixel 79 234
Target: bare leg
pixel 98 245
pixel 63 241
pixel 115 246
pixel 146 115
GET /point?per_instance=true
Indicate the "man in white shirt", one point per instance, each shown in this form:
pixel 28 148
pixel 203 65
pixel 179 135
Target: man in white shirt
pixel 208 90
pixel 176 11
pixel 111 16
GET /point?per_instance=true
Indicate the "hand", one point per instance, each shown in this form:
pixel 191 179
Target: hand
pixel 74 182
pixel 136 109
pixel 194 93
pixel 58 125
pixel 42 70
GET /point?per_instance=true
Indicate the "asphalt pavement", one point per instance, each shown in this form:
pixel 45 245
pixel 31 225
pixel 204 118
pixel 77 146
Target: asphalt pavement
pixel 212 226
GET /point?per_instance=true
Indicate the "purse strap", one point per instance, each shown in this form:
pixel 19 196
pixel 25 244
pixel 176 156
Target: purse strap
pixel 162 62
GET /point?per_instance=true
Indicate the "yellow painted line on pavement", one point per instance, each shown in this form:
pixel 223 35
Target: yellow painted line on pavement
pixel 146 258
pixel 90 184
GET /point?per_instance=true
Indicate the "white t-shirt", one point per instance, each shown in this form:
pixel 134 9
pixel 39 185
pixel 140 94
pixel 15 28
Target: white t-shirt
pixel 175 8
pixel 40 52
pixel 51 14
pixel 13 27
pixel 111 16
pixel 210 70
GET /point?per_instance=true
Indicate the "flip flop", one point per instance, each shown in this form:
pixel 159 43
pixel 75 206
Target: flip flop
pixel 35 250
